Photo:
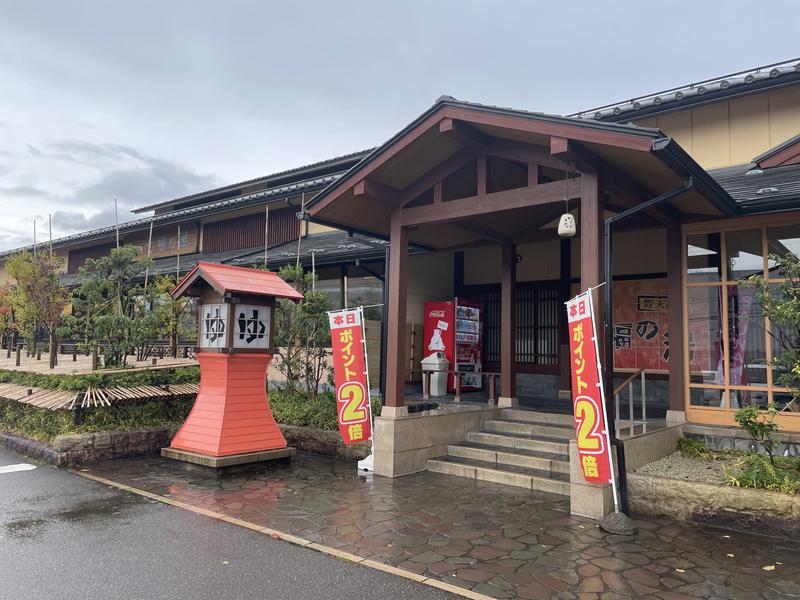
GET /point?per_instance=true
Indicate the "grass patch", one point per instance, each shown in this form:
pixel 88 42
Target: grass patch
pixel 44 425
pixel 748 469
pixel 75 383
pixel 293 408
pixel 754 470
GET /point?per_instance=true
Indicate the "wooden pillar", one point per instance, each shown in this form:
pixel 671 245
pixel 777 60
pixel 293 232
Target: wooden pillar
pixel 565 382
pixel 396 318
pixel 592 245
pixel 675 317
pixel 508 326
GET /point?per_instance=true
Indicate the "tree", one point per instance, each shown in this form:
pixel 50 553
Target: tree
pixel 302 335
pixel 173 315
pixel 781 305
pixel 38 298
pixel 111 310
pixel 7 322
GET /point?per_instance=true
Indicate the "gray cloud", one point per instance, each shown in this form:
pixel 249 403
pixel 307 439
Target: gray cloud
pixel 22 191
pixel 154 100
pixel 148 180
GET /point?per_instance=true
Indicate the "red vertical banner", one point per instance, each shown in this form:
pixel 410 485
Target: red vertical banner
pixel 591 429
pixel 350 376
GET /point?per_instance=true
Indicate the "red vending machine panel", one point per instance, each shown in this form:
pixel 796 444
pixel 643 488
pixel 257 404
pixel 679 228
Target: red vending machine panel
pixel 455 328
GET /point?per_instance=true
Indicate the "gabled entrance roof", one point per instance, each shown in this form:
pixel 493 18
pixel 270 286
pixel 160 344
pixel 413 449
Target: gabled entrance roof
pixel 642 160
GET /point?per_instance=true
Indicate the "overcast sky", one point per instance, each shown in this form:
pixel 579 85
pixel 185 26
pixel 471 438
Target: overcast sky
pixel 148 100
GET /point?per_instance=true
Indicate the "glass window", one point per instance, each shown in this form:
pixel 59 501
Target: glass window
pixel 745 253
pixel 707 397
pixel 703 257
pixel 333 287
pixel 706 350
pixel 785 344
pixel 783 241
pixel 368 292
pixel 785 400
pixel 757 395
pixel 747 338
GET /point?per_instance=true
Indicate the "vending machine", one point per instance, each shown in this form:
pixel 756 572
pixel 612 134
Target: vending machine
pixel 455 328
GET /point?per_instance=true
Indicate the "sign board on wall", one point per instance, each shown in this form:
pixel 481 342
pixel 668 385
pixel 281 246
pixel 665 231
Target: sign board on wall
pixel 165 241
pixel 641 336
pixel 350 375
pixel 591 431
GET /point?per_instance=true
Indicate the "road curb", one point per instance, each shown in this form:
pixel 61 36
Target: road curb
pixel 291 539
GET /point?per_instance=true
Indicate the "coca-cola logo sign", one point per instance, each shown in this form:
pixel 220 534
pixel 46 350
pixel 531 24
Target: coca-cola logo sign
pixel 436 314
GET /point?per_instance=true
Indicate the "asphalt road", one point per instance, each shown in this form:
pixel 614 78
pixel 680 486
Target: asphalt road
pixel 63 536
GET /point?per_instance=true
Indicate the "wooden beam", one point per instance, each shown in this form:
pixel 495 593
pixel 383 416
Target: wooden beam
pixel 574 154
pixel 374 190
pixel 508 326
pixel 372 165
pixel 481 175
pixel 396 313
pixel 476 206
pixel 591 233
pixel 465 134
pixel 592 245
pixel 578 131
pixel 436 174
pixel 675 317
pixel 525 153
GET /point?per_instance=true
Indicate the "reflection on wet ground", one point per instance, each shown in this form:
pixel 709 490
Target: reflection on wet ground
pixel 500 541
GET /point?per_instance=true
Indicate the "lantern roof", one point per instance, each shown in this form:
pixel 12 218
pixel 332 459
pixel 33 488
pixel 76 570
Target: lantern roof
pixel 237 280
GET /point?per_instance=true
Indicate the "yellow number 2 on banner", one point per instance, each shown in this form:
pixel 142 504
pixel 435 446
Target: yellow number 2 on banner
pixel 353 410
pixel 586 413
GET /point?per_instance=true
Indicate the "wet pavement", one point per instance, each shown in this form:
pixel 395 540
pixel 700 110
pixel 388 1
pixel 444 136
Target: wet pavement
pixel 65 537
pixel 500 541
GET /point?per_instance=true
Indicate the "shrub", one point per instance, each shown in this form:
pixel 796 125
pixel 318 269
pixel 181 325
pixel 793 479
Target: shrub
pixel 694 449
pixel 760 426
pixel 44 425
pixel 292 408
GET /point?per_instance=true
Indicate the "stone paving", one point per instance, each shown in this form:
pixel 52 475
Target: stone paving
pixel 500 541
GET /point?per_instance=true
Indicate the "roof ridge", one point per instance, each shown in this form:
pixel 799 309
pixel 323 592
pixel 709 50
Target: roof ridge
pixel 314 165
pixel 684 92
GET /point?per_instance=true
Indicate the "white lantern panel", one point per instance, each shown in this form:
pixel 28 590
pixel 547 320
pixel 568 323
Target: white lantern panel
pixel 251 326
pixel 213 325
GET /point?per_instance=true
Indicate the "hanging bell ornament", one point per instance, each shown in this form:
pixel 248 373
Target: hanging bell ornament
pixel 566 226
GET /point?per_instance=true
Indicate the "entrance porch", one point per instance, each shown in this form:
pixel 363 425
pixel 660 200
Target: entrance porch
pixel 484 187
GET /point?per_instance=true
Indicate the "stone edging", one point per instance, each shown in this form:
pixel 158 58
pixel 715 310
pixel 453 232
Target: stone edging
pixel 293 539
pixel 762 511
pixel 87 448
pixel 321 441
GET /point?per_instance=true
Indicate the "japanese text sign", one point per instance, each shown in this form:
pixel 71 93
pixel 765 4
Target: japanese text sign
pixel 587 394
pixel 350 376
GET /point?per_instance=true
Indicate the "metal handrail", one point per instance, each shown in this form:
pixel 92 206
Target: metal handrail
pixel 633 376
pixel 642 373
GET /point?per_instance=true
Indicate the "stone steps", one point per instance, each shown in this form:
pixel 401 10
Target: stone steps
pixel 529 428
pixel 520 442
pixel 533 416
pixel 521 448
pixel 531 479
pixel 542 461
